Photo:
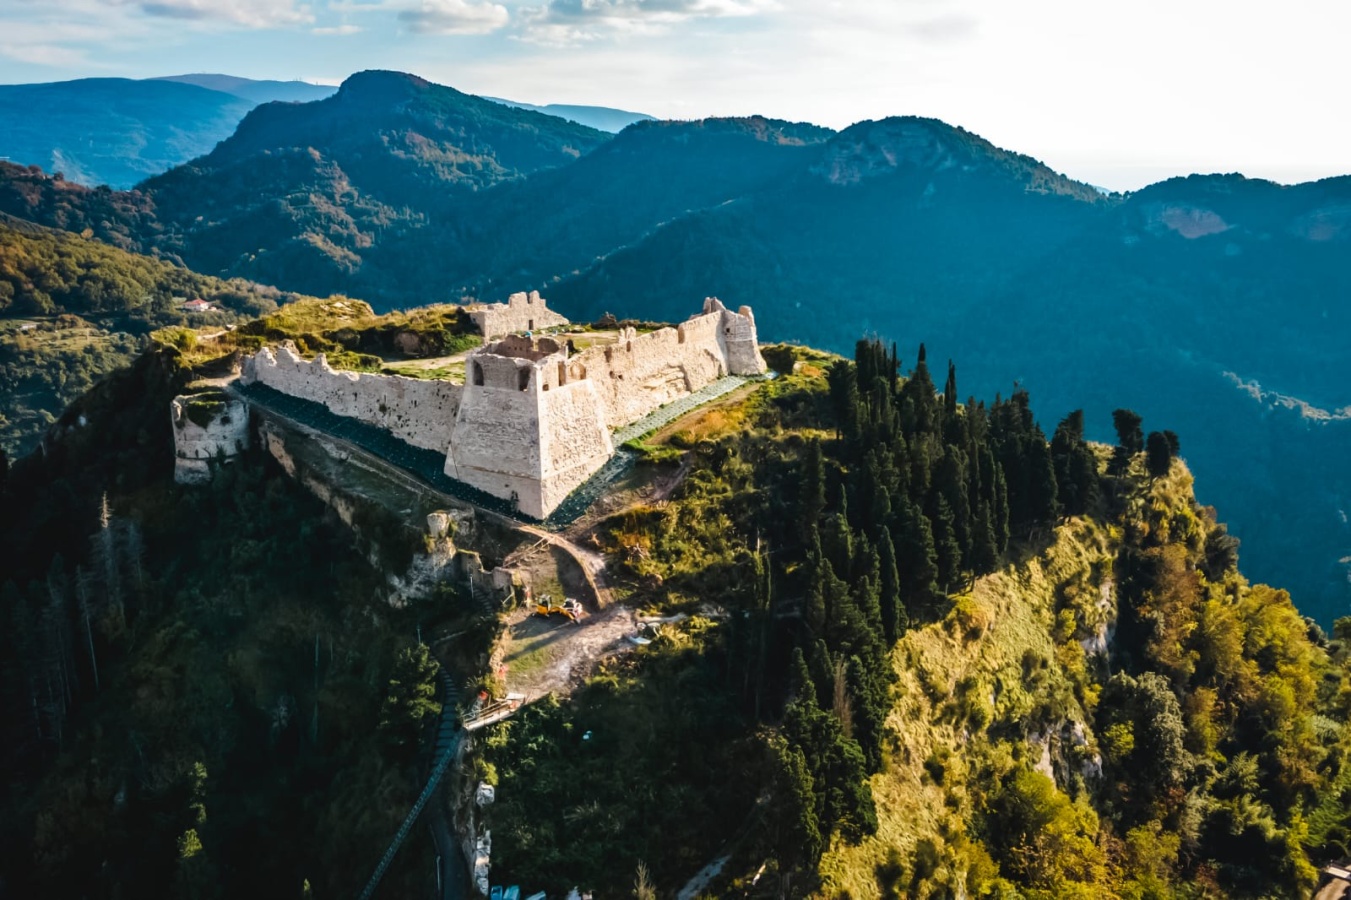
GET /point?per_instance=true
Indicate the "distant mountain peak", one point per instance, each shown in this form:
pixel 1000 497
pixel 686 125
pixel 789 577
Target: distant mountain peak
pixel 383 85
pixel 881 147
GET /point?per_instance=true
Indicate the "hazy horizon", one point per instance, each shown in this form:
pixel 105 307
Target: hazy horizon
pixel 1114 97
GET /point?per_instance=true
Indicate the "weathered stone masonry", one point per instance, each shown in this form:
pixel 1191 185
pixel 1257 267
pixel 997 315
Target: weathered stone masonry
pixel 521 312
pixel 417 411
pixel 224 434
pixel 532 421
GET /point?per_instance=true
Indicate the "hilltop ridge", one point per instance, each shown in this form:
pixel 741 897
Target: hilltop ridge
pixel 1181 295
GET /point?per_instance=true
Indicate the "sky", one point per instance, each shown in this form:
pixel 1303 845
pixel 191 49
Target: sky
pixel 1115 94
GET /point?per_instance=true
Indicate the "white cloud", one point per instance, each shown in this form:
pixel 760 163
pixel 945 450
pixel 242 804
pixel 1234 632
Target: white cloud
pixel 574 21
pixel 45 54
pixel 248 13
pixel 454 17
pixel 337 29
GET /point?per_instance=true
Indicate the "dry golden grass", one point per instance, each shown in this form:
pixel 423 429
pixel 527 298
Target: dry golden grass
pixel 974 656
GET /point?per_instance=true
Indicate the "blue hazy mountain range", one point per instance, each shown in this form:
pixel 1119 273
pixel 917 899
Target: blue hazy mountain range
pixel 601 118
pixel 1214 305
pixel 121 131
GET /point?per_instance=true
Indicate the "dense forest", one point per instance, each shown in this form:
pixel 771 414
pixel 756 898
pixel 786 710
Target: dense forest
pixel 885 557
pixel 194 678
pixel 929 652
pixel 73 310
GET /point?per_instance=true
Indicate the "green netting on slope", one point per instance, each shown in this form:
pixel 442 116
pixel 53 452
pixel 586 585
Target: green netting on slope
pixel 428 465
pixel 677 408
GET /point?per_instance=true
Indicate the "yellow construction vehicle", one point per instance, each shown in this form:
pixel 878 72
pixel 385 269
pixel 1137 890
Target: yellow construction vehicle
pixel 570 609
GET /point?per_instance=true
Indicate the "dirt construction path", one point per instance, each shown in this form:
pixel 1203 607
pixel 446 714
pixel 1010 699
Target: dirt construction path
pixel 542 655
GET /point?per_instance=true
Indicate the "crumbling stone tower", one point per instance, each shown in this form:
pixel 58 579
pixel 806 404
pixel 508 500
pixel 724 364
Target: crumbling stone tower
pixel 208 428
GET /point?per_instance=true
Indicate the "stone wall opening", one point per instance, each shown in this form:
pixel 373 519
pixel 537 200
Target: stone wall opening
pixel 522 379
pixel 478 375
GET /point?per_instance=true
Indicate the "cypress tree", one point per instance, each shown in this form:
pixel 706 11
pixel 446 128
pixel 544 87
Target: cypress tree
pixel 801 686
pixel 950 393
pixel 950 483
pixel 867 586
pixel 1158 454
pixel 947 550
pixel 918 394
pixel 917 559
pixel 1129 437
pixel 797 831
pixel 1076 466
pixel 843 381
pixel 812 499
pixel 822 668
pixel 1000 511
pixel 815 610
pixel 984 547
pixel 868 695
pixel 1044 502
pixel 1174 446
pixel 838 542
pixel 890 606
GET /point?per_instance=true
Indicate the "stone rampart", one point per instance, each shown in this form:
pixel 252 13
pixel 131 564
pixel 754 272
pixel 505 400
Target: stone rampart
pixel 521 312
pixel 207 428
pixel 642 372
pixel 419 412
pixel 531 423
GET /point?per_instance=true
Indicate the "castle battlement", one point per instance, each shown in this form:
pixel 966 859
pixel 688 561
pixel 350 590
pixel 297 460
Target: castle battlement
pixel 532 420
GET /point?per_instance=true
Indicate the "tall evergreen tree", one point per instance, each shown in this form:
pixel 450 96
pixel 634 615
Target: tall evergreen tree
pixel 843 381
pixel 950 484
pixel 917 559
pixel 1076 465
pixel 1158 454
pixel 946 548
pixel 984 548
pixel 1129 438
pixel 1045 496
pixel 892 608
pixel 812 497
pixel 796 830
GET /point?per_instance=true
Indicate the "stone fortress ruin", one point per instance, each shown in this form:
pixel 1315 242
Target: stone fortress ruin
pixel 209 428
pixel 534 418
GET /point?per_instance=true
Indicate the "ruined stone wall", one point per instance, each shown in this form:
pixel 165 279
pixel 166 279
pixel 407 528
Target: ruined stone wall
pixel 521 312
pixel 420 412
pixel 643 372
pixel 224 436
pixel 529 422
pixel 738 338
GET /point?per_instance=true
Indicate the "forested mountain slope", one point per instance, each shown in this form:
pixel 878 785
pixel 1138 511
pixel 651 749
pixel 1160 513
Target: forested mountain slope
pixel 113 131
pixel 927 652
pixel 975 663
pixel 1212 299
pixel 74 309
